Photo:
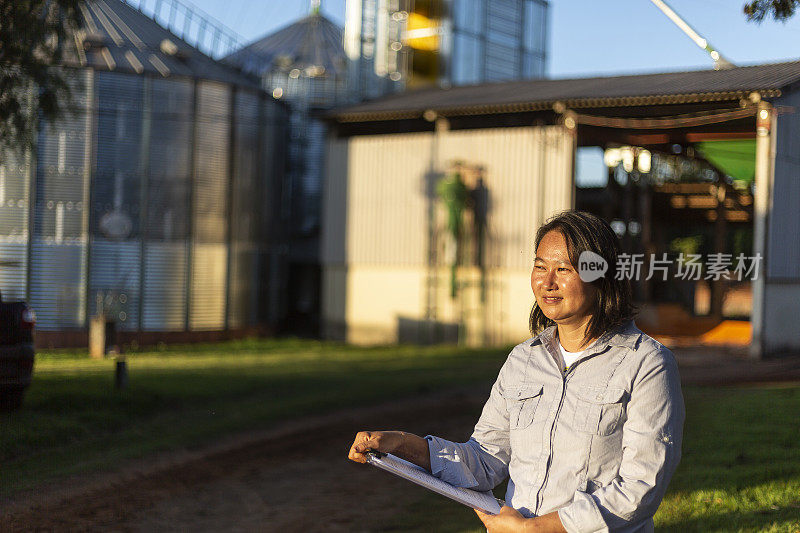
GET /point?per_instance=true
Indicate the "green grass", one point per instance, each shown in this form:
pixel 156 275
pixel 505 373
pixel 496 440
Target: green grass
pixel 740 469
pixel 741 452
pixel 741 463
pixel 74 421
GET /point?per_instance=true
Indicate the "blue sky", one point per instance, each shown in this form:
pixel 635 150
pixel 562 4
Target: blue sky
pixel 587 37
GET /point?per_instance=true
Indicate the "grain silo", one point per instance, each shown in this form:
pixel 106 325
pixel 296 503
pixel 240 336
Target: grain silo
pixel 303 65
pixel 151 202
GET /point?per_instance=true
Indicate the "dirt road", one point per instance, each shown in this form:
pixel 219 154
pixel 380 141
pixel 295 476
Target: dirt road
pixel 285 480
pixel 296 477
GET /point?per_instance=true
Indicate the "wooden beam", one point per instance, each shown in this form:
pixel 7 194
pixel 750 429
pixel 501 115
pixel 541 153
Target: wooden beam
pixel 719 136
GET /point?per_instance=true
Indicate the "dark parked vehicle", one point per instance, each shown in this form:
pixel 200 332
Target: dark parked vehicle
pixel 16 352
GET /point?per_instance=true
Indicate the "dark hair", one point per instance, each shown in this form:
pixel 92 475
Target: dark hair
pixel 587 232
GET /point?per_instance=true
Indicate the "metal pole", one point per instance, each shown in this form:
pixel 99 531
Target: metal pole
pixel 190 240
pixel 144 165
pixel 646 235
pixel 187 24
pixel 720 231
pixel 33 158
pixel 765 131
pixel 627 213
pixel 215 43
pixel 232 183
pixel 88 182
pixel 201 33
pixel 719 61
pixel 172 12
pixel 268 180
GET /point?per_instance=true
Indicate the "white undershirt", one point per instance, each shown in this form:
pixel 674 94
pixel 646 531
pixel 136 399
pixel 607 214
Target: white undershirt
pixel 569 357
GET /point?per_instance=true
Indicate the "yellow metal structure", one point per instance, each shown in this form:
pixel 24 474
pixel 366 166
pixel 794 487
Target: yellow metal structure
pixel 422 33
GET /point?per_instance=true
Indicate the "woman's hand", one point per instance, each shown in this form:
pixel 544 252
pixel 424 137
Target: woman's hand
pixel 404 445
pixel 381 441
pixel 509 520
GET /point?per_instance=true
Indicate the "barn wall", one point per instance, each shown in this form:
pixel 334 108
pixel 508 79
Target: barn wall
pixel 385 273
pixel 781 296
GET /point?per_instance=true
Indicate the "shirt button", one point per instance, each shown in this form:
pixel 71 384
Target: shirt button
pixel 599 397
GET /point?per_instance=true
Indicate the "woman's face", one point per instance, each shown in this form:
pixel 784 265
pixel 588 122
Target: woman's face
pixel 560 293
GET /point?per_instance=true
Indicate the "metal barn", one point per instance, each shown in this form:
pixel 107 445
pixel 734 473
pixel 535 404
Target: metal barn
pixel 385 253
pixel 386 270
pixel 152 202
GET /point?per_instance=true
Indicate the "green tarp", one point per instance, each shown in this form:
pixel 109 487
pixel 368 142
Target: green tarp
pixel 735 158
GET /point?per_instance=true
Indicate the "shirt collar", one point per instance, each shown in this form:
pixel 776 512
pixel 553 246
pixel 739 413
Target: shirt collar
pixel 626 335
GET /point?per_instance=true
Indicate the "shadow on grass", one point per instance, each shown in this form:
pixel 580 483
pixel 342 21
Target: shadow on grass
pixel 73 421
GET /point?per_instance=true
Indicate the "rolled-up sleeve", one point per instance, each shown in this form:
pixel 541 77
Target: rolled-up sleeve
pixel 481 463
pixel 651 451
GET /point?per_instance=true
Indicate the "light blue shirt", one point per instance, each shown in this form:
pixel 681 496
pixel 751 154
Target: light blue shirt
pixel 598 443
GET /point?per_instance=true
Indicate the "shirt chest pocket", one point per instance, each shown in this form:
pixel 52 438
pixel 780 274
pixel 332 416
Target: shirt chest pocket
pixel 521 403
pixel 598 410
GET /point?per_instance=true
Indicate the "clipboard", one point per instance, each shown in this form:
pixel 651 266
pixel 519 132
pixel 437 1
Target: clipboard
pixel 485 501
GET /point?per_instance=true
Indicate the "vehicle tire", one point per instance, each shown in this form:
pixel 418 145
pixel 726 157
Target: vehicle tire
pixel 11 398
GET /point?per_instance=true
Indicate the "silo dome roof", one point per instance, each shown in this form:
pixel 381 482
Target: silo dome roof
pixel 312 45
pixel 117 36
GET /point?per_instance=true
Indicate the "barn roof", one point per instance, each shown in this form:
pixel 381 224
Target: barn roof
pixel 606 91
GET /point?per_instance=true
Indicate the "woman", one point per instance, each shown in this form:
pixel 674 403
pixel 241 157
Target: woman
pixel 586 417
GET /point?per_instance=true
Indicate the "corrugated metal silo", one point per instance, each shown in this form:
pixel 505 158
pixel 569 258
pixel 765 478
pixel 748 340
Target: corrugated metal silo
pixel 148 200
pixel 59 240
pixel 303 64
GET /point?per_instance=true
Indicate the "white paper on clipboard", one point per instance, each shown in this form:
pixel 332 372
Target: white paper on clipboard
pixel 485 501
